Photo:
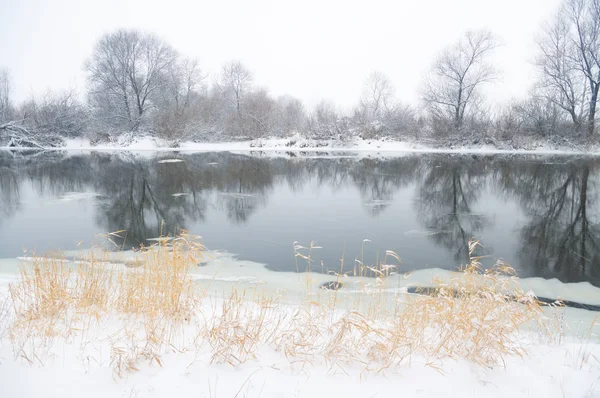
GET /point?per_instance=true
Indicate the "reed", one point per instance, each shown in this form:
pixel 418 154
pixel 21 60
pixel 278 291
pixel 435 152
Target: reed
pixel 157 307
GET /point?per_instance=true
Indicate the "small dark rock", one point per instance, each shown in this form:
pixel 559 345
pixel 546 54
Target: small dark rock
pixel 332 285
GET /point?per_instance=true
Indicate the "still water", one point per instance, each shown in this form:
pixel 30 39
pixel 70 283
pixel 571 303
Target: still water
pixel 539 213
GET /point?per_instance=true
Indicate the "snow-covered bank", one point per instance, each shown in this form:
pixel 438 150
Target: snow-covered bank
pixel 244 331
pixel 566 370
pixel 301 144
pixel 221 272
pixel 84 365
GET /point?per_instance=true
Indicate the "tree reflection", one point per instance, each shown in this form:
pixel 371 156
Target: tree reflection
pixel 144 197
pixel 245 184
pixel 134 207
pixel 378 180
pixel 445 198
pixel 560 238
pixel 9 192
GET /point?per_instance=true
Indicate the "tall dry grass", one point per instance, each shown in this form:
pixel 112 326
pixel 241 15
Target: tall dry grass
pixel 156 307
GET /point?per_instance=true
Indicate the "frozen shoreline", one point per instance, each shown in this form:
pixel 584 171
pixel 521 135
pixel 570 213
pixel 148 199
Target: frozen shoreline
pixel 83 364
pixel 300 144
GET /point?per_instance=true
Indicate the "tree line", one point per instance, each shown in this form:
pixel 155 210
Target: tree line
pixel 139 84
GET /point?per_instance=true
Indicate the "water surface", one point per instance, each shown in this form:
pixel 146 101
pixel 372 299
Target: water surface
pixel 539 213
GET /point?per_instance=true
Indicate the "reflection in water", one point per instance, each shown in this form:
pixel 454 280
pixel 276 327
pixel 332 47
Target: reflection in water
pixel 245 188
pixel 558 238
pixel 377 180
pixel 446 195
pixel 9 188
pixel 561 236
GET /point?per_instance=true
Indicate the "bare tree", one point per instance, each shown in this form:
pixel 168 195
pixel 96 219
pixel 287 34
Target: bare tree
pixel 377 96
pixel 124 72
pixel 537 115
pixel 259 114
pixel 54 113
pixel 458 74
pixel 182 81
pixel 291 115
pixel 325 122
pixel 379 113
pixel 5 96
pixel 235 83
pixel 177 98
pixel 562 82
pixel 584 16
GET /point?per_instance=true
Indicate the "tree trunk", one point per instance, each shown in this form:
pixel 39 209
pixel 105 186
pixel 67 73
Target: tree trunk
pixel 457 114
pixel 576 121
pixel 592 112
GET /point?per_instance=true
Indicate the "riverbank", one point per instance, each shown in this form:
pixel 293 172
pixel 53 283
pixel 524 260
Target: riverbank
pixel 301 144
pixel 153 323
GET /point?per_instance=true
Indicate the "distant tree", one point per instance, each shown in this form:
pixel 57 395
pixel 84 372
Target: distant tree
pixel 569 62
pixel 180 82
pixel 562 82
pixel 377 96
pixel 325 122
pixel 235 84
pixel 6 107
pixel 177 99
pixel 259 114
pixel 291 115
pixel 54 113
pixel 379 113
pixel 584 19
pixel 535 116
pixel 458 74
pixel 124 72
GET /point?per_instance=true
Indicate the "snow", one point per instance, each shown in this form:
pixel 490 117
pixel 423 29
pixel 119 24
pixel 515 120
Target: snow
pixel 81 365
pixel 568 369
pixel 546 372
pixel 70 196
pixel 298 143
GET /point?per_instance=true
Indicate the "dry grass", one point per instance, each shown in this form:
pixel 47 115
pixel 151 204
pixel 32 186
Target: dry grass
pixel 475 316
pixel 42 297
pixel 55 297
pixel 157 308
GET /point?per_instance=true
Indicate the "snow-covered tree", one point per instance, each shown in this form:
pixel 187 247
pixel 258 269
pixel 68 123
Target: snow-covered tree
pixel 377 96
pixel 6 106
pixel 177 99
pixel 235 83
pixel 570 61
pixel 124 73
pixel 562 82
pixel 452 93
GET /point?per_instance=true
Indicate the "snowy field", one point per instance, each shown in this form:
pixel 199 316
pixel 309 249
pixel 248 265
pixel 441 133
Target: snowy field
pixel 257 333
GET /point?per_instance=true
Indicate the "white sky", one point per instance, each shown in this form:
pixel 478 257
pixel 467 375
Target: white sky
pixel 311 49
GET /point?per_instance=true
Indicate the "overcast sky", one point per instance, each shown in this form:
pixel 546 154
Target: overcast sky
pixel 311 49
